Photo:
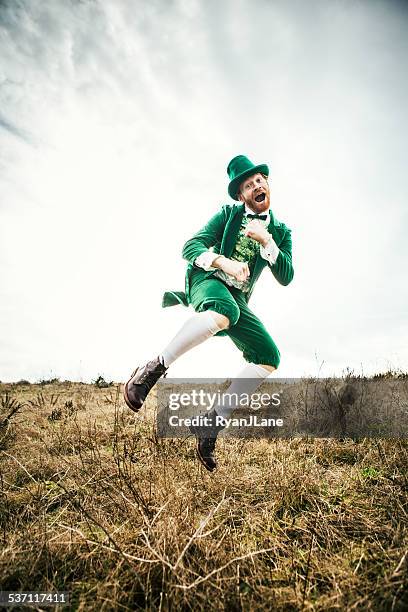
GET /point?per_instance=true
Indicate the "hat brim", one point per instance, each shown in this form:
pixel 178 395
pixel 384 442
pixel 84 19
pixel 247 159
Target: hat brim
pixel 233 187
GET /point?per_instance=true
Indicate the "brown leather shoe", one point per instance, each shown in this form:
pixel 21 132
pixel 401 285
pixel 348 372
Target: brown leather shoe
pixel 141 382
pixel 206 437
pixel 205 452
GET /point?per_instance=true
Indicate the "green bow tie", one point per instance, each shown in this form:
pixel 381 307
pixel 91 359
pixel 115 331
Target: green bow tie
pixel 263 217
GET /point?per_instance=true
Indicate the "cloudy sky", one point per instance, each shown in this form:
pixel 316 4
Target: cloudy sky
pixel 117 121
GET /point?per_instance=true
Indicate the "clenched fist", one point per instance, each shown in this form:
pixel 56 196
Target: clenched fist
pixel 257 231
pixel 238 269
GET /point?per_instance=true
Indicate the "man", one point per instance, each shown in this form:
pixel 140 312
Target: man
pixel 225 259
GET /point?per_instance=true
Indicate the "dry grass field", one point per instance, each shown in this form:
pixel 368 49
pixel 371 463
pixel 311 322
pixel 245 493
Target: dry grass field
pixel 94 503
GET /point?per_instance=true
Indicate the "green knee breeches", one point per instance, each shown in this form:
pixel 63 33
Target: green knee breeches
pixel 245 330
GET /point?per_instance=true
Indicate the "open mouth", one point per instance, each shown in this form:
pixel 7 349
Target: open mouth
pixel 260 197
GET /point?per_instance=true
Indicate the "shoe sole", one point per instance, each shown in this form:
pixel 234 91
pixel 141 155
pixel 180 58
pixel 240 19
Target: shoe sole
pixel 207 467
pixel 199 455
pixel 126 397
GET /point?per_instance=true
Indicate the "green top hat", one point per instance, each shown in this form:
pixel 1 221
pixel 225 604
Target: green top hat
pixel 239 168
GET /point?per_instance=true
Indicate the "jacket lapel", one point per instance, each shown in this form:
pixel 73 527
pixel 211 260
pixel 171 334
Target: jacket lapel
pixel 274 228
pixel 231 230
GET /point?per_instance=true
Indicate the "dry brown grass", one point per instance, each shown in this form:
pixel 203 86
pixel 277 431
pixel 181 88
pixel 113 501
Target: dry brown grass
pixel 92 502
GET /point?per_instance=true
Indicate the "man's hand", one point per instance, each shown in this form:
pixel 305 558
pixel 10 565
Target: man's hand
pixel 257 231
pixel 237 269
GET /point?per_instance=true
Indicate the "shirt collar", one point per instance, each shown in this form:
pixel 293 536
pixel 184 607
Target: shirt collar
pixel 248 211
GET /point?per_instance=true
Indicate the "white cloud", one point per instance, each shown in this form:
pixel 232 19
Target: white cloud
pixel 118 121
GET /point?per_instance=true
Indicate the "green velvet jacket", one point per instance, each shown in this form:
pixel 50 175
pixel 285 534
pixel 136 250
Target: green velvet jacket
pixel 220 234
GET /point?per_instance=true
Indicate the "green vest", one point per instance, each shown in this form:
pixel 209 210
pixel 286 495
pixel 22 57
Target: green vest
pixel 220 234
pixel 245 249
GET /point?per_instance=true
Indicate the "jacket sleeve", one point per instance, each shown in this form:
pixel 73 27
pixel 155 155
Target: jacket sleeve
pixel 282 269
pixel 210 235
